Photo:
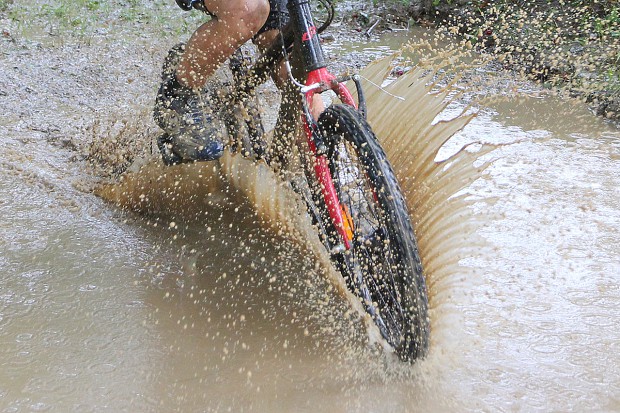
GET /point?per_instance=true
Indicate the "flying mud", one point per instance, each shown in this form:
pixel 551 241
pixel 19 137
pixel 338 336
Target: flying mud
pixel 402 115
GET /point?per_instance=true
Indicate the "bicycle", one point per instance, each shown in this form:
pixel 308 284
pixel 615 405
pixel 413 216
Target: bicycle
pixel 350 189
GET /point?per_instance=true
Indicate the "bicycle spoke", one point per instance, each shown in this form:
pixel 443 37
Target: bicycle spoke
pixel 381 283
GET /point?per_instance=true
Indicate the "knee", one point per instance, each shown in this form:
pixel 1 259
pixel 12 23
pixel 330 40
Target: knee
pixel 248 17
pixel 255 16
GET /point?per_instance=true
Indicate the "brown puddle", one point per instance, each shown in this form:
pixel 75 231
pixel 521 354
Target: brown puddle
pixel 106 310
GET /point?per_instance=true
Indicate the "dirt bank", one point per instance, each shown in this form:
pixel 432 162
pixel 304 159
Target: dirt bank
pixel 573 47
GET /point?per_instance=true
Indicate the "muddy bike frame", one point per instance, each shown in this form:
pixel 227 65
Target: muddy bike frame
pixel 302 36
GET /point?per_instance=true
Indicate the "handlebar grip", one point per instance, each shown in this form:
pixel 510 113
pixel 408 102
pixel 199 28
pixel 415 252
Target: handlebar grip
pixel 185 4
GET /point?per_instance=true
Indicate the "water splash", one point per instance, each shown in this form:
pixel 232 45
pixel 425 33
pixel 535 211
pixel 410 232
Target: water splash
pixel 440 210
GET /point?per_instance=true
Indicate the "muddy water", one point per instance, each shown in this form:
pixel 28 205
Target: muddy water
pixel 103 310
pixel 544 310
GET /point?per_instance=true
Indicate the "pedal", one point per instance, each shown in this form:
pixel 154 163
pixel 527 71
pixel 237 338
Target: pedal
pixel 165 149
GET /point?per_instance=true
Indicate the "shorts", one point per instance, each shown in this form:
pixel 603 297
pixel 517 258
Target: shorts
pixel 278 16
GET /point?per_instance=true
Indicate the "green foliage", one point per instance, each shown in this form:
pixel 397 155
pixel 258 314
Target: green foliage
pixel 573 45
pixel 84 19
pixel 608 25
pixel 4 4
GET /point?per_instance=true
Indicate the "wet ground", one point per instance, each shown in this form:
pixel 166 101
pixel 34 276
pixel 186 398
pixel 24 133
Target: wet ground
pixel 105 310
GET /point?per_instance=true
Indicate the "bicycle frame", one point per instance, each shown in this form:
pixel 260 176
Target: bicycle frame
pixel 319 79
pixel 303 32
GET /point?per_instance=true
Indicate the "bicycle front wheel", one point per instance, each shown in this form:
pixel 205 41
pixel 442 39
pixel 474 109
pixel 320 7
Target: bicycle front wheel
pixel 383 266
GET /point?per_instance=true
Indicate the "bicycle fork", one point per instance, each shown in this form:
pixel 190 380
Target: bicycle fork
pixel 320 80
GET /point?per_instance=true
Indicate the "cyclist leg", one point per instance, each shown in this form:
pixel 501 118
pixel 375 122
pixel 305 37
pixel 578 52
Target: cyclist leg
pixel 189 117
pixel 234 23
pixel 278 18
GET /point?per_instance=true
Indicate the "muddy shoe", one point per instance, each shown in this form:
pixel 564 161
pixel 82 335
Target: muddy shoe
pixel 190 119
pixel 187 118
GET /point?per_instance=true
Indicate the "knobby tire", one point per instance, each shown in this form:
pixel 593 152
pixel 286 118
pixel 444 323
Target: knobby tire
pixel 383 267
